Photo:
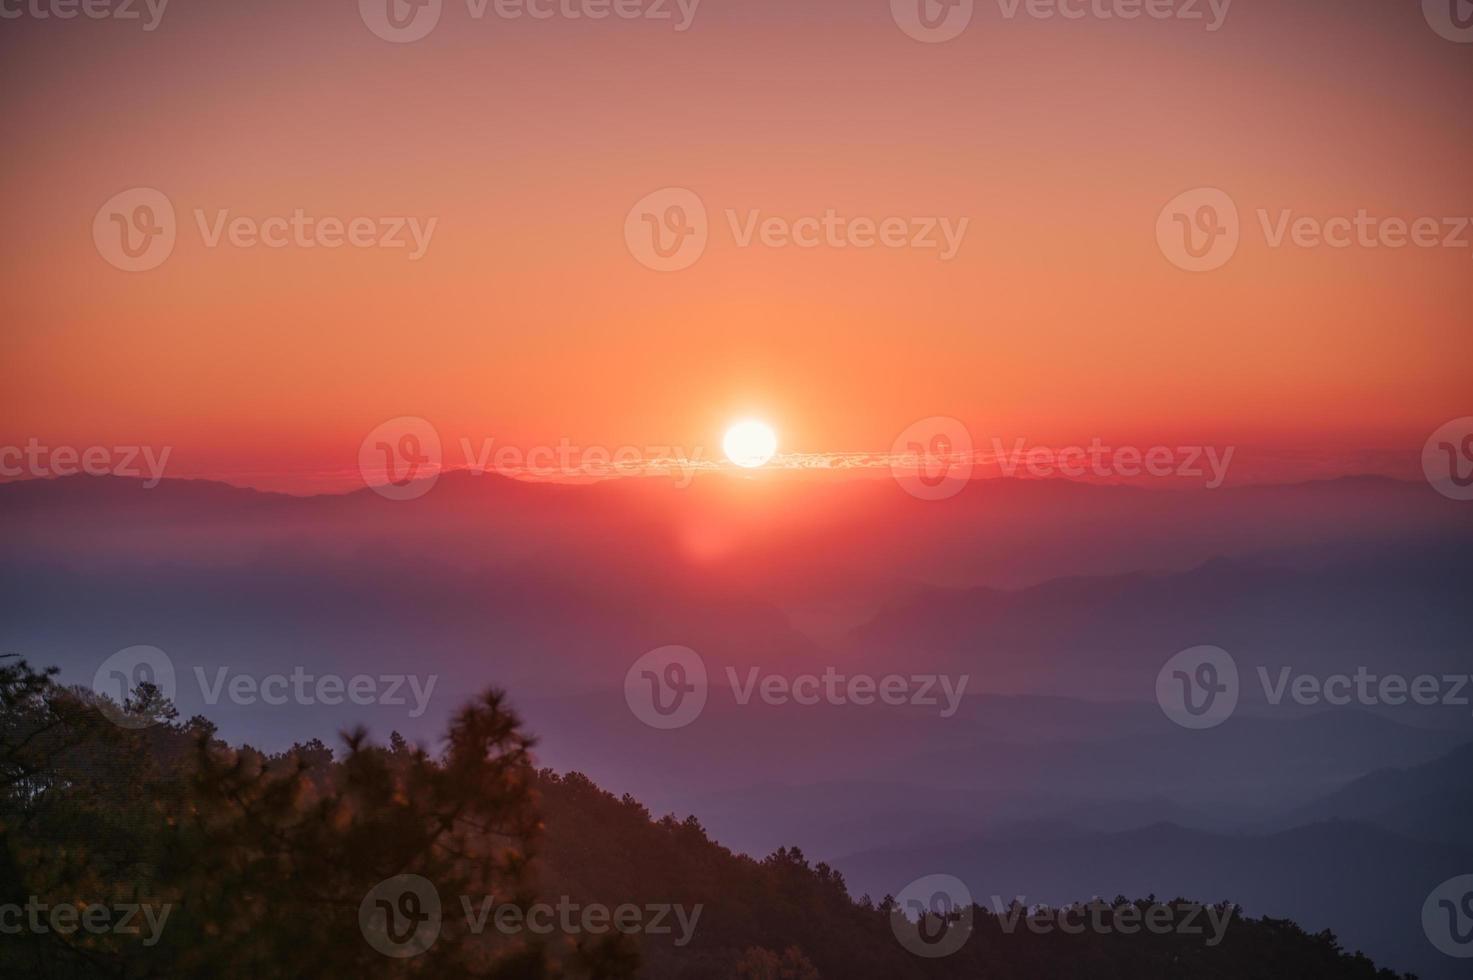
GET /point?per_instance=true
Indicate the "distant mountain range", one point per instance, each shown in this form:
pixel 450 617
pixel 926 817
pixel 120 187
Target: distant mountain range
pixel 1401 609
pixel 1366 883
pixel 801 539
pixel 1058 776
pixel 1432 802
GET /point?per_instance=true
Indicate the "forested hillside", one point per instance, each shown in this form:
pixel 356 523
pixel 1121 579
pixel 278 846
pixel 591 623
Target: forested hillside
pixel 136 845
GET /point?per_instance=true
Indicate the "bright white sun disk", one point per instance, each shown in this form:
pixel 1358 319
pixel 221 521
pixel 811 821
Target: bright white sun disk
pixel 750 444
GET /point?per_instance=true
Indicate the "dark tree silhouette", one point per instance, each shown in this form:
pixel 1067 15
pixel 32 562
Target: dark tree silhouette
pixel 272 867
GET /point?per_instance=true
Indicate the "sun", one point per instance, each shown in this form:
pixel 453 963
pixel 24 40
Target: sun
pixel 750 443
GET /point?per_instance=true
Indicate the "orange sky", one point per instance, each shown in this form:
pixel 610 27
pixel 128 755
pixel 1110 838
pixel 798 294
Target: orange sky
pixel 528 320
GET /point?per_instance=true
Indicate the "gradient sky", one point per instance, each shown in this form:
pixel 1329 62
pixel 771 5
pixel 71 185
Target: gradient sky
pixel 529 321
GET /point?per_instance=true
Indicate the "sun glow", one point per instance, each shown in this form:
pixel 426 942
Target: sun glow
pixel 750 443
